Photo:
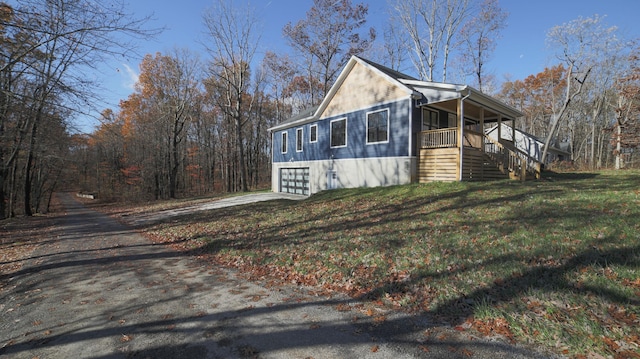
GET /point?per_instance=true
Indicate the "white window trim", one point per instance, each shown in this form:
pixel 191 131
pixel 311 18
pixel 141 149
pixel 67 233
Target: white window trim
pixel 366 134
pixel 311 131
pixel 437 117
pixel 300 138
pixel 346 134
pixel 283 142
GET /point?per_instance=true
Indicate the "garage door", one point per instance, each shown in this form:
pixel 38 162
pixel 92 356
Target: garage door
pixel 294 180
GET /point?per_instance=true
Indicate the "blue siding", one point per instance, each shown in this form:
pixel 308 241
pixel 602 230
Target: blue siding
pixel 357 147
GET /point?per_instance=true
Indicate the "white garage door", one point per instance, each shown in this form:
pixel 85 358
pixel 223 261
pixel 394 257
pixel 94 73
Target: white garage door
pixel 294 180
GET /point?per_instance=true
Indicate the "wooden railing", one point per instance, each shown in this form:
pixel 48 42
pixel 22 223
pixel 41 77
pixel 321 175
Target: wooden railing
pixel 442 138
pixel 473 139
pixel 511 159
pixel 448 137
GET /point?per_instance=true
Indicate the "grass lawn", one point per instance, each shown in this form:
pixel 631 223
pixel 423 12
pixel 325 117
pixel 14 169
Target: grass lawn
pixel 553 263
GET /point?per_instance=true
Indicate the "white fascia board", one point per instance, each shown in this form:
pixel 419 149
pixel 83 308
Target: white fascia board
pixel 433 92
pixel 494 104
pixel 436 92
pixel 435 85
pixel 299 122
pixel 434 95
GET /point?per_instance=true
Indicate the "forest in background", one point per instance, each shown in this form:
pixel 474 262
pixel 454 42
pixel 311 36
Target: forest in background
pixel 197 125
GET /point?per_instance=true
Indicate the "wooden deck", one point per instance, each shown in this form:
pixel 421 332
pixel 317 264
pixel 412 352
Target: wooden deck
pixel 483 159
pixel 438 164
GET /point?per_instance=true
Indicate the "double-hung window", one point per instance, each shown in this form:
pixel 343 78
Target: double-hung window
pixel 313 133
pixel 283 144
pixel 339 133
pixel 430 120
pixel 378 126
pixel 299 140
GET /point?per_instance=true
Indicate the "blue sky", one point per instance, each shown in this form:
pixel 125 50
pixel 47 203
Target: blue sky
pixel 521 51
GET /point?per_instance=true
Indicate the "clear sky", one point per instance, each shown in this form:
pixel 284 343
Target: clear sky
pixel 521 50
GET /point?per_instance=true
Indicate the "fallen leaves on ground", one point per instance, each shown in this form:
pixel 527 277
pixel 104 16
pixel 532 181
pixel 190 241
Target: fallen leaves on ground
pixel 494 327
pixel 548 255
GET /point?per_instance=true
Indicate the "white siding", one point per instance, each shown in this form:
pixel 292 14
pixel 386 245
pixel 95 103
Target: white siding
pixel 353 173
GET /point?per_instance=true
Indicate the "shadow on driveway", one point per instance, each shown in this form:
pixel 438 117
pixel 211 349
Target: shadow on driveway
pixel 99 290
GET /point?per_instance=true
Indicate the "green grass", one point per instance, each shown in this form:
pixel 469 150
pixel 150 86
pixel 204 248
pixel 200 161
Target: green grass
pixel 553 263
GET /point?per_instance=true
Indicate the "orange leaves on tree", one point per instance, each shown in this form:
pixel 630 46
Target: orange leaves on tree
pixel 132 175
pixel 194 171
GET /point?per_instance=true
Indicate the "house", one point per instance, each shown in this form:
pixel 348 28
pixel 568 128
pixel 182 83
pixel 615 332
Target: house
pixel 531 145
pixel 379 127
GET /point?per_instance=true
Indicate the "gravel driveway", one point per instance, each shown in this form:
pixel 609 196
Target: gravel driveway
pixel 99 290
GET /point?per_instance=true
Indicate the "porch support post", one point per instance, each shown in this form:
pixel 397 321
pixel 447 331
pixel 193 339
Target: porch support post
pixel 513 132
pixel 502 165
pixel 482 129
pixel 460 110
pixel 460 113
pixel 482 139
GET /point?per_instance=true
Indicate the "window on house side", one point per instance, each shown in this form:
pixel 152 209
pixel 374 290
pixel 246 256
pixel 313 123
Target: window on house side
pixel 299 140
pixel 313 133
pixel 430 120
pixel 378 126
pixel 283 147
pixel 452 120
pixel 339 133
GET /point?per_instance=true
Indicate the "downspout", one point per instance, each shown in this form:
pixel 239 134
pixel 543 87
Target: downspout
pixel 462 131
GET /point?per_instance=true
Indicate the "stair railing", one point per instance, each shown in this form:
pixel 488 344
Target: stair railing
pixel 512 160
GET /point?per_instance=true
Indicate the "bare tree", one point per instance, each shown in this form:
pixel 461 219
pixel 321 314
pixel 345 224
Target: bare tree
pixel 412 14
pixel 626 131
pixel 281 73
pixel 455 14
pixel 170 84
pixel 479 37
pixel 234 39
pixel 582 44
pixel 47 45
pixel 432 27
pixel 395 44
pixel 327 38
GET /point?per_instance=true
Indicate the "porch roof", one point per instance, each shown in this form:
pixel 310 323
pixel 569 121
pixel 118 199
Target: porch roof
pixel 442 93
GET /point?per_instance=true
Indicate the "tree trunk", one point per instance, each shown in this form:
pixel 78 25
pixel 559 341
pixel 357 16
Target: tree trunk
pixel 556 117
pixel 3 207
pixel 27 172
pixel 618 147
pixel 595 114
pixel 173 169
pixel 243 165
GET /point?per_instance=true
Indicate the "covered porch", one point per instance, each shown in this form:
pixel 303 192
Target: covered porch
pixel 456 148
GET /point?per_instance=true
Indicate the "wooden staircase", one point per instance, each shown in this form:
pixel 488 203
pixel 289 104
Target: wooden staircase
pixel 512 161
pixel 483 158
pixel 478 166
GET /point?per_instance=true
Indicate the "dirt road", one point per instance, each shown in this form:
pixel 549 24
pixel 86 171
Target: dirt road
pixel 97 289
